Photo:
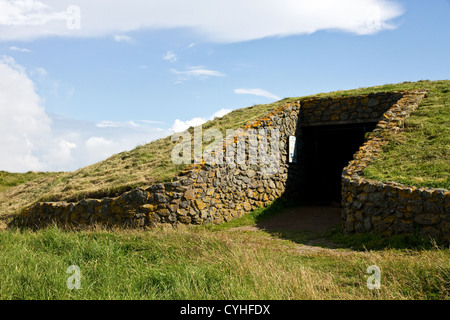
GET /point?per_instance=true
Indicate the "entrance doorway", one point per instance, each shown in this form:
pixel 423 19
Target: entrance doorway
pixel 326 151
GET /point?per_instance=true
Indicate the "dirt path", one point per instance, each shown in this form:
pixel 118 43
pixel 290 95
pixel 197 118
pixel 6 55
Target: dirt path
pixel 316 219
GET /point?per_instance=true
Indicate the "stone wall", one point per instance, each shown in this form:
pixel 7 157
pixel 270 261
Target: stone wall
pixel 391 208
pixel 208 192
pixel 344 110
pixel 217 190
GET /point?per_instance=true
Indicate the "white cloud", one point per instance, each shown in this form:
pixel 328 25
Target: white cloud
pixel 94 142
pixel 98 141
pixel 170 56
pixel 27 13
pixel 257 92
pixel 152 122
pixel 127 124
pixel 180 126
pixel 112 124
pixel 14 48
pixel 220 113
pixel 198 72
pixel 124 38
pixel 219 21
pixel 31 139
pixel 24 125
pixel 59 154
pixel 27 139
pixel 39 71
pixel 98 148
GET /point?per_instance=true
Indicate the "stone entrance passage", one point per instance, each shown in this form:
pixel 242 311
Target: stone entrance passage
pixel 327 150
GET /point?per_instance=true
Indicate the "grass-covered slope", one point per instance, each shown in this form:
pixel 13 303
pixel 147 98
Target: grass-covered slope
pixel 218 262
pixel 420 156
pixel 10 180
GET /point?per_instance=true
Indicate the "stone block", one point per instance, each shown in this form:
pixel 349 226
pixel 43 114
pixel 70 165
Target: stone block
pixel 427 219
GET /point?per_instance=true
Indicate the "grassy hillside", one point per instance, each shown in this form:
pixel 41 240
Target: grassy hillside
pixel 10 180
pixel 420 156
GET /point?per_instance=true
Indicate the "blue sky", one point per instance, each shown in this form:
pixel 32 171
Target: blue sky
pixel 75 89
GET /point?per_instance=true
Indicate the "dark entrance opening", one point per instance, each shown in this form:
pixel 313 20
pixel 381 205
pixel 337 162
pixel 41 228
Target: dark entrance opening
pixel 326 151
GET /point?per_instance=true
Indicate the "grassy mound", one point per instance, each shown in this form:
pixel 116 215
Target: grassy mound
pixel 419 156
pixel 224 262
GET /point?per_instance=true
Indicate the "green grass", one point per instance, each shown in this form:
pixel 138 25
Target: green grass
pixel 219 262
pixel 197 263
pixel 9 180
pixel 252 218
pixel 420 156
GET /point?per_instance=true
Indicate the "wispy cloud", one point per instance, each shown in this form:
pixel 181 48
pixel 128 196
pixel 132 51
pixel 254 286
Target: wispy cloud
pixel 124 38
pixel 112 124
pixel 152 122
pixel 126 124
pixel 40 71
pixel 170 56
pixel 14 48
pixel 197 72
pixel 257 92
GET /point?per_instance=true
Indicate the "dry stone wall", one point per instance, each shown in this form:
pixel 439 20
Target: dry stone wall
pixel 391 208
pixel 216 189
pixel 344 110
pixel 207 192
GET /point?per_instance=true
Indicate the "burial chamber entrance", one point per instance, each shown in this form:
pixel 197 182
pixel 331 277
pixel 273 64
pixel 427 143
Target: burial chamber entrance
pixel 329 132
pixel 327 149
